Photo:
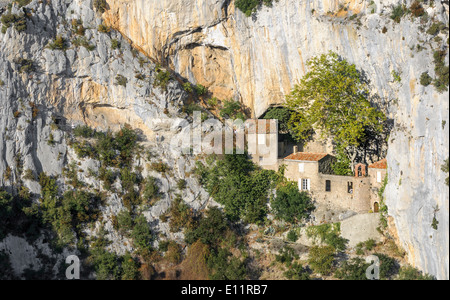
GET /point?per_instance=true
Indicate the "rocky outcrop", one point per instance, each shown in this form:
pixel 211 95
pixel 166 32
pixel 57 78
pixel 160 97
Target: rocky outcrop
pixel 258 59
pixel 45 90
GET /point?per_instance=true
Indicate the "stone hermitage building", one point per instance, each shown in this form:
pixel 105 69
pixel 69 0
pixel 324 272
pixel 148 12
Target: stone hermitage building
pixel 312 171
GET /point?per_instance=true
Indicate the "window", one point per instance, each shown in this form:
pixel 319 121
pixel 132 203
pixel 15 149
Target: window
pixel 350 187
pixel 378 176
pixel 306 184
pixel 327 185
pixel 301 167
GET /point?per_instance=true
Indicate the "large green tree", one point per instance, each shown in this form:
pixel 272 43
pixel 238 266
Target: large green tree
pixel 334 99
pixel 235 182
pixel 290 204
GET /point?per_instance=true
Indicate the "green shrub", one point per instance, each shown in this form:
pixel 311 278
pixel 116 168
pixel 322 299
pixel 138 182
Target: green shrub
pixel 124 222
pixel 25 65
pixel 103 28
pixel 286 256
pixel 435 28
pixel 398 12
pixel 359 248
pixel 396 76
pixel 84 149
pixel 425 79
pixel 233 110
pixel 210 229
pixel 106 265
pixel 128 179
pixel 58 44
pixel 181 184
pixel 181 215
pixel 411 273
pixel 130 268
pixel 121 80
pixel 321 259
pixel 188 87
pixel 18 21
pixel 200 90
pixel 173 253
pixel 328 234
pixel 115 44
pixel 141 235
pixel 290 204
pixel 234 182
pixel 162 78
pixel 82 41
pixel 100 5
pixel 84 131
pixel 292 236
pixel 354 269
pixel 78 28
pixel 107 176
pixel 51 140
pixel 282 114
pixel 370 244
pixel 67 214
pixel 190 108
pixel 445 169
pixel 388 266
pixel 442 71
pixel 150 190
pixel 29 175
pixel 212 102
pixel 22 3
pixel 250 6
pixel 224 266
pixel 6 267
pixel 297 272
pixel 160 167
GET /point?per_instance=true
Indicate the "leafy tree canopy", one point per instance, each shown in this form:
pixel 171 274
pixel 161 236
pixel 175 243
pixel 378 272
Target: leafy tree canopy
pixel 290 204
pixel 333 98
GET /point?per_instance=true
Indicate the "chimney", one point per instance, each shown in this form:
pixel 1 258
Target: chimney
pixel 295 149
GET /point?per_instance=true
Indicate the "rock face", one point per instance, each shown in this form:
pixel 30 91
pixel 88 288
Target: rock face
pixel 44 92
pixel 254 59
pixel 257 60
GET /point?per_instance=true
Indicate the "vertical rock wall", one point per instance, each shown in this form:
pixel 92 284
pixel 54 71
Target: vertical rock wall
pixel 257 59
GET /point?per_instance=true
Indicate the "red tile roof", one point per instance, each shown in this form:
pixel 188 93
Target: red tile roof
pixel 382 164
pixel 306 156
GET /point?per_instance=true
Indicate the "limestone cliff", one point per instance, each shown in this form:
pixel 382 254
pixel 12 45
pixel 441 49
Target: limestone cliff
pixel 45 90
pixel 257 60
pixel 254 59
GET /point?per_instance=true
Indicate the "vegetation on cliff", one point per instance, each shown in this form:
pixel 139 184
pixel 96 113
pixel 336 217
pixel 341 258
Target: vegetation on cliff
pixel 334 97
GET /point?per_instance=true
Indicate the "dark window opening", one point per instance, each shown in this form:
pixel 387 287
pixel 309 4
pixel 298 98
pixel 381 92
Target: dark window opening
pixel 350 187
pixel 327 185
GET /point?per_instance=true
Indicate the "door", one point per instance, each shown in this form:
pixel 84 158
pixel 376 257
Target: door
pixel 376 207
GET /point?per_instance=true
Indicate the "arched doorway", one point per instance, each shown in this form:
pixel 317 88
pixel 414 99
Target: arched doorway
pixel 376 207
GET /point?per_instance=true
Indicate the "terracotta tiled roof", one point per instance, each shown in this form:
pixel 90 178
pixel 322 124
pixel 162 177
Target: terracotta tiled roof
pixel 382 164
pixel 306 156
pixel 255 127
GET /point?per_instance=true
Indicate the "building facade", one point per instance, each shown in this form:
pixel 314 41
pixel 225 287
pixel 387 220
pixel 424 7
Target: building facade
pixel 313 172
